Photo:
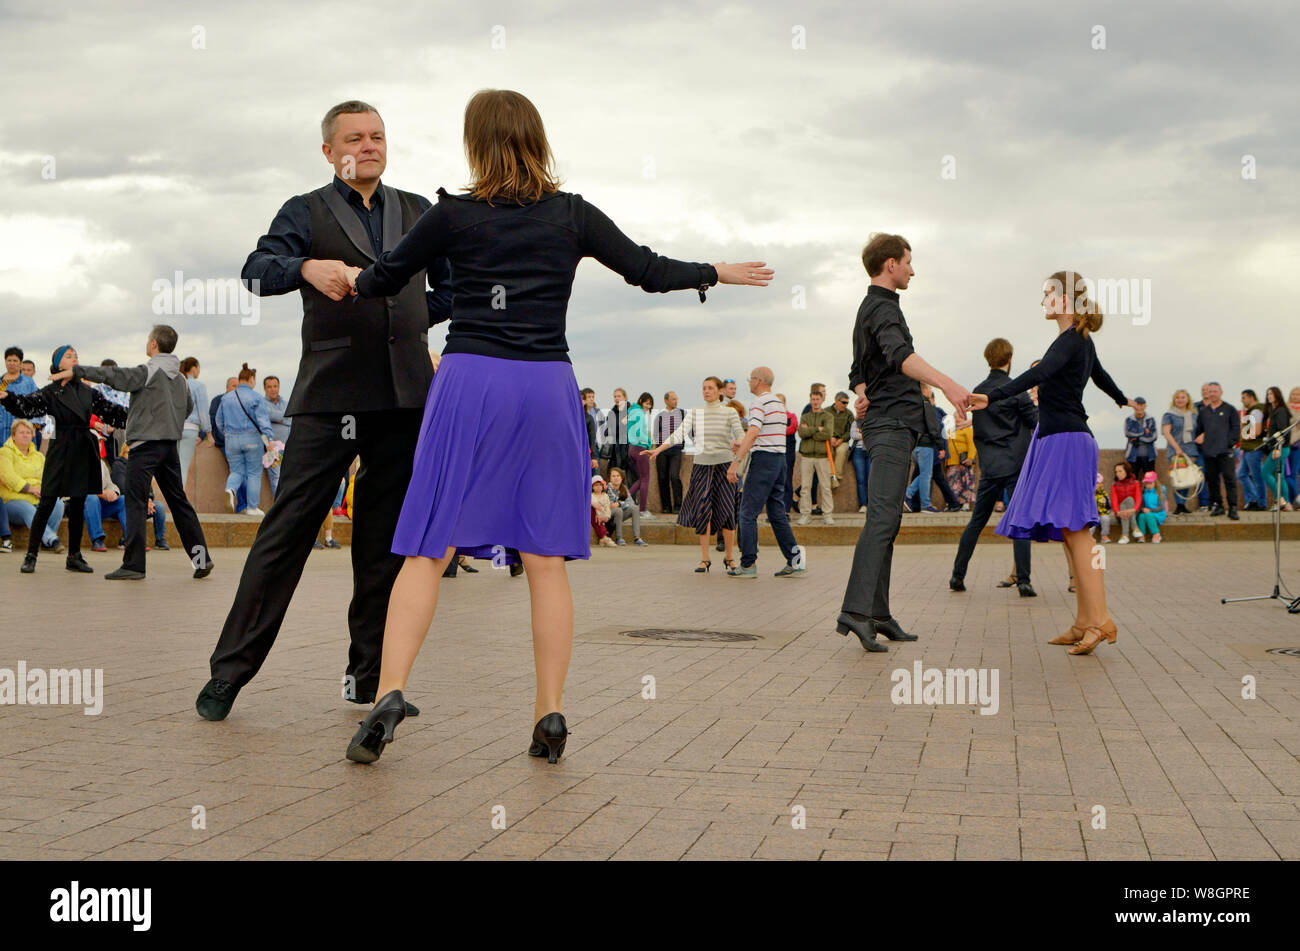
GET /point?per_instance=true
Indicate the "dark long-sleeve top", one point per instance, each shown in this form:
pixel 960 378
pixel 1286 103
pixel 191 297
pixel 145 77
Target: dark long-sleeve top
pixel 1002 430
pixel 512 269
pixel 276 263
pixel 1067 366
pixel 881 342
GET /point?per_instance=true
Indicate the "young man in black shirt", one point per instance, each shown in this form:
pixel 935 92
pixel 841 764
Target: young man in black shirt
pixel 1217 429
pixel 886 376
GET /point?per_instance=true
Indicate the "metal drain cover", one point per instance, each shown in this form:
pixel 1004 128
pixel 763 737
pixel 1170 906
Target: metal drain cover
pixel 1285 651
pixel 689 634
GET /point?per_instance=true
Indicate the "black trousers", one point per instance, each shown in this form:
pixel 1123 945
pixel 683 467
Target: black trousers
pixel 668 466
pixel 75 511
pixel 1141 466
pixel 987 494
pixel 320 449
pixel 1221 466
pixel 158 459
pixel 889 444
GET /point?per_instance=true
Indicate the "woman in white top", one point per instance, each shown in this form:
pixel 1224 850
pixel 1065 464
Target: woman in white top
pixel 710 502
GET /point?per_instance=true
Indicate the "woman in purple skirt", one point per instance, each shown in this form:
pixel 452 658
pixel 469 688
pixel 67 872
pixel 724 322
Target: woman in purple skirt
pixel 1054 498
pixel 505 389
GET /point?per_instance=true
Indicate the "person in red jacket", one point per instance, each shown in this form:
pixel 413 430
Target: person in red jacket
pixel 1125 500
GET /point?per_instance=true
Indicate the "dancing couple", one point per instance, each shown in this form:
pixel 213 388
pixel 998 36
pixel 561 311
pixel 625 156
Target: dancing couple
pixel 1053 498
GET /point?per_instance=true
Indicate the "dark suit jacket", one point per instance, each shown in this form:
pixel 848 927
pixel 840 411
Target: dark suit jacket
pixel 1002 431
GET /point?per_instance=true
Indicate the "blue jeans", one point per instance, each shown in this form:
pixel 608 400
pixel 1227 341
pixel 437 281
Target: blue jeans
pixel 861 469
pixel 22 513
pixel 244 456
pixel 97 510
pixel 1252 477
pixel 765 487
pixel 920 486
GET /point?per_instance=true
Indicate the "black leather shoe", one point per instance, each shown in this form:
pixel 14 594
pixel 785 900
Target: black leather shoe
pixel 468 568
pixel 952 507
pixel 1232 514
pixel 1027 590
pixel 205 570
pixel 29 564
pixel 516 570
pixel 956 584
pixel 864 629
pixel 889 627
pixel 78 563
pixel 1216 509
pixel 161 546
pixel 376 730
pixel 215 699
pixel 124 574
pixel 549 736
pixel 411 709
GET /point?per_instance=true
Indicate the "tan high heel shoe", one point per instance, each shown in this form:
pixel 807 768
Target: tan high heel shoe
pixel 1107 632
pixel 1072 636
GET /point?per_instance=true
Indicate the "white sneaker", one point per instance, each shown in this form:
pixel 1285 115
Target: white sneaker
pixel 828 520
pixel 1139 539
pixel 862 509
pixel 1137 536
pixel 230 501
pixel 255 513
pixel 1155 540
pixel 648 515
pixel 805 520
pixel 1123 539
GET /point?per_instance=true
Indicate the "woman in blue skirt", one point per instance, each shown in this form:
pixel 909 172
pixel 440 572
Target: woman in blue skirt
pixel 505 389
pixel 1054 498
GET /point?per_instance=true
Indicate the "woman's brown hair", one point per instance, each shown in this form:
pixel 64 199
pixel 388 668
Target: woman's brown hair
pixel 188 364
pixel 717 381
pixel 246 373
pixel 1072 286
pixel 622 481
pixel 1128 469
pixel 505 144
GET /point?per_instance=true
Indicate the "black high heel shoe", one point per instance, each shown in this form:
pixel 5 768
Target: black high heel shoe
pixel 376 730
pixel 549 737
pixel 864 629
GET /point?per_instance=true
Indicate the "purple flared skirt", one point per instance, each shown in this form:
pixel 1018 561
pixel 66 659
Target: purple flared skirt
pixel 1056 489
pixel 501 463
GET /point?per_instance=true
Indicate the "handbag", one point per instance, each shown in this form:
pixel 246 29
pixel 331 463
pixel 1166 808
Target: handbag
pixel 1185 475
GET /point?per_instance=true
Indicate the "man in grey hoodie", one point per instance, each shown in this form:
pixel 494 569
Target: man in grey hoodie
pixel 160 402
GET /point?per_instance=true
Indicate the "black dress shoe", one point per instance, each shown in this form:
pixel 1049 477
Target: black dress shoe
pixel 204 571
pixel 1232 514
pixel 956 584
pixel 376 730
pixel 1180 509
pixel 889 627
pixel 864 629
pixel 29 564
pixel 549 736
pixel 1216 509
pixel 411 709
pixel 161 546
pixel 124 574
pixel 215 699
pixel 78 563
pixel 468 568
pixel 953 507
pixel 1027 590
pixel 516 570
pixel 317 546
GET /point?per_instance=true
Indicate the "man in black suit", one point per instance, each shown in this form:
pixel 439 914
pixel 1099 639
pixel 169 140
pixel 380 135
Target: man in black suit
pixel 362 382
pixel 1000 446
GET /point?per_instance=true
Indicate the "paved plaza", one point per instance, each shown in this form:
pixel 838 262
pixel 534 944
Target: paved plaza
pixel 786 747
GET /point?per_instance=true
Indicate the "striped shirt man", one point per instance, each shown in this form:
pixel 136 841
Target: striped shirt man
pixel 769 415
pixel 667 422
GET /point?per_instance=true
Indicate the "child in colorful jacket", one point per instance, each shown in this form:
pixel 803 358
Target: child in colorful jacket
pixel 1154 507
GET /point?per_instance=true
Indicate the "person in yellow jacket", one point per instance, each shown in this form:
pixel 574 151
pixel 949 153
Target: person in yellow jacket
pixel 22 467
pixel 959 465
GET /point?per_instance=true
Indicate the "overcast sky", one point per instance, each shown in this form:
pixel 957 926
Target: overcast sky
pixel 145 138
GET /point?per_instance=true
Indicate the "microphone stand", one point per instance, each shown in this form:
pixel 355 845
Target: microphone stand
pixel 1293 607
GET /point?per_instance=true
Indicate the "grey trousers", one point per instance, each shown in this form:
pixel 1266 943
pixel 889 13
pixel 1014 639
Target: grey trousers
pixel 888 444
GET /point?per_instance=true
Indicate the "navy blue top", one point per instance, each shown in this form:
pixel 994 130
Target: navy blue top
pixel 1067 366
pixel 512 268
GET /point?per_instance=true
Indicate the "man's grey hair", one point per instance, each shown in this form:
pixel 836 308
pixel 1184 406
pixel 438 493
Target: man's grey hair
pixel 765 375
pixel 351 107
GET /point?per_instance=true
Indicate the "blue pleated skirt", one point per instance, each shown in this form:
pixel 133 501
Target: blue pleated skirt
pixel 501 463
pixel 1056 489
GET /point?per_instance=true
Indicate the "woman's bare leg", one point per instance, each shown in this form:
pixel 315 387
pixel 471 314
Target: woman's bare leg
pixel 729 537
pixel 552 605
pixel 705 541
pixel 1091 593
pixel 410 612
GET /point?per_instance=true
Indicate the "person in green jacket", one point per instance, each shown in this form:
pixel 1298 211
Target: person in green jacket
pixel 816 429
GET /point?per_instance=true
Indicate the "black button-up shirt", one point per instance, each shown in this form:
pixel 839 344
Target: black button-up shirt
pixel 276 262
pixel 1221 426
pixel 1002 430
pixel 881 342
